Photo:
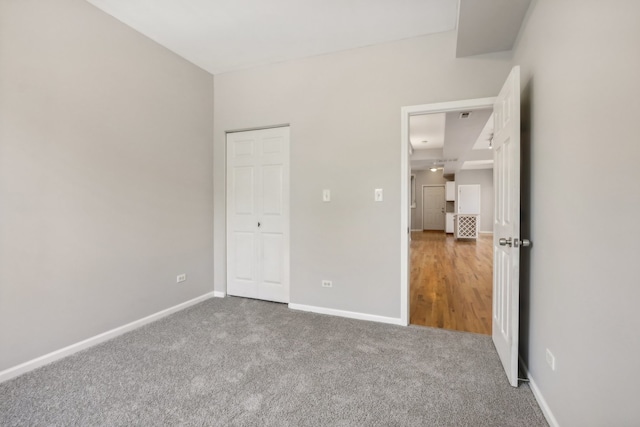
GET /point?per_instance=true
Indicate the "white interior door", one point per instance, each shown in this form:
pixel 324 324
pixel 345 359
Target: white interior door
pixel 506 228
pixel 258 214
pixel 433 216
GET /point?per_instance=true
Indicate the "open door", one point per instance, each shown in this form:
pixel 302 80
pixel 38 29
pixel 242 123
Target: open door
pixel 506 227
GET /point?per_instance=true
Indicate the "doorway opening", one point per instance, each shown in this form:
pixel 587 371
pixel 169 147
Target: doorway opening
pixel 507 241
pixel 450 279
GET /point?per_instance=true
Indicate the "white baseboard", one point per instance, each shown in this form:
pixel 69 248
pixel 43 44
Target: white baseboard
pixel 416 229
pixel 219 294
pixel 30 365
pixel 485 232
pixel 546 411
pixel 348 314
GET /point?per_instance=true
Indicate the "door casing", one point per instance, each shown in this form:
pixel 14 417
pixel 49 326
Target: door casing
pixel 405 179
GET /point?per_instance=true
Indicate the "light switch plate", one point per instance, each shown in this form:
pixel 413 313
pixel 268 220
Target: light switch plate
pixel 378 195
pixel 326 195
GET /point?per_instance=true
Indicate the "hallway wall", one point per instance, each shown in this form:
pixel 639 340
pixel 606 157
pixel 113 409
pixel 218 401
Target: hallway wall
pixel 580 66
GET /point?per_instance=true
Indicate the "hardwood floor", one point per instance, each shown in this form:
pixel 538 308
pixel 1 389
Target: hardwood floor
pixel 451 281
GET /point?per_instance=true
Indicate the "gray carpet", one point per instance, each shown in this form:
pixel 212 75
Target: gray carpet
pixel 240 362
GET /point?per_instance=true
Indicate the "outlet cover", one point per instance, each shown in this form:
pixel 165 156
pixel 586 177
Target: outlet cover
pixel 327 284
pixel 181 278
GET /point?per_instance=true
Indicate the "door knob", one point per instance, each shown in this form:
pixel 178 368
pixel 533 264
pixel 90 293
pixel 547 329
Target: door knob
pixel 524 243
pixel 505 242
pixel 258 224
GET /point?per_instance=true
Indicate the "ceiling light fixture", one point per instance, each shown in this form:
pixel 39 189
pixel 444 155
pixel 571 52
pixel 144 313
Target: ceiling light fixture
pixel 434 169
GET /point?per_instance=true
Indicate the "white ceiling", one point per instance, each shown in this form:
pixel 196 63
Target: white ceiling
pixel 489 25
pixel 484 140
pixel 227 35
pixel 426 131
pixel 477 164
pixel 465 146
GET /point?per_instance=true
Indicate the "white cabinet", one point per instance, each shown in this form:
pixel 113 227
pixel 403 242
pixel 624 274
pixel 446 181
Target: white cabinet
pixel 468 212
pixel 449 223
pixel 468 199
pixel 466 226
pixel 450 191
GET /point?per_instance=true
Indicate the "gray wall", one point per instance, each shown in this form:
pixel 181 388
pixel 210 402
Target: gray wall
pixel 484 177
pixel 344 111
pixel 425 177
pixel 105 176
pixel 580 66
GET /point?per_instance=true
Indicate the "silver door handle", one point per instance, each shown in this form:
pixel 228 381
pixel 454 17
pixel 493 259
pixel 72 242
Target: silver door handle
pixel 524 243
pixel 258 224
pixel 505 242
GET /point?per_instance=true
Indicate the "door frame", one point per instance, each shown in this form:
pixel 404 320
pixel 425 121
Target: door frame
pixel 445 202
pixel 405 180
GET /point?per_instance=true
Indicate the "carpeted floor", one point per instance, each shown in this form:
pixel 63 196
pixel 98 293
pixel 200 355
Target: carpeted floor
pixel 241 362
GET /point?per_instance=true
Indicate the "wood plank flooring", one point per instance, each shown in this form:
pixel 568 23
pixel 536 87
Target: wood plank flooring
pixel 451 281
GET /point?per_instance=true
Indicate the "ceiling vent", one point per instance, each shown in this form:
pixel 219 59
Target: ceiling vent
pixel 465 114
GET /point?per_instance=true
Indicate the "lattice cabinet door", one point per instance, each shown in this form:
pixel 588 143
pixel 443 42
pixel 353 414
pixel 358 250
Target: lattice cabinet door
pixel 466 226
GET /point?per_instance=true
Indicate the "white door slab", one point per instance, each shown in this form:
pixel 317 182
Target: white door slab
pixel 258 214
pixel 506 228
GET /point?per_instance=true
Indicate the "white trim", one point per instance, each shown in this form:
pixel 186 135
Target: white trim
pixel 348 314
pixel 405 112
pixel 285 125
pixel 416 229
pixel 544 407
pixel 30 365
pixel 412 179
pixel 485 232
pixel 405 225
pixel 218 294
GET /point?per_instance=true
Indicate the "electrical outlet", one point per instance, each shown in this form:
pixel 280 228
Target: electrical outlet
pixel 181 278
pixel 327 284
pixel 551 360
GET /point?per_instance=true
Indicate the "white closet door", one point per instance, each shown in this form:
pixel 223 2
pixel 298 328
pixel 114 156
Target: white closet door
pixel 258 214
